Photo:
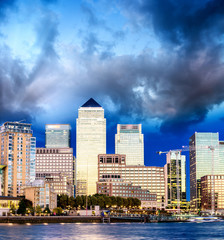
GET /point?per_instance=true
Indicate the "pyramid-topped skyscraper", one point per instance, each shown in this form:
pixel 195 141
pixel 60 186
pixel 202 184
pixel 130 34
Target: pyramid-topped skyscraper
pixel 90 141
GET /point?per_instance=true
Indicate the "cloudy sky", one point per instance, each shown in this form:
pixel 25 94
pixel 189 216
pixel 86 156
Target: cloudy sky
pixel 155 62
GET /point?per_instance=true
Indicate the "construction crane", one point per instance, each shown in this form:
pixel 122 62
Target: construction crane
pixel 193 148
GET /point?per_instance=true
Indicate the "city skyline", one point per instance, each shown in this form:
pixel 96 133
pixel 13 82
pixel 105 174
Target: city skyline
pixel 151 63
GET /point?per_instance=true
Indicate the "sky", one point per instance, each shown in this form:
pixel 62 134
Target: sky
pixel 155 62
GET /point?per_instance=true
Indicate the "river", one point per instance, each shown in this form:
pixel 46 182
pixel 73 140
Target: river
pixel 132 231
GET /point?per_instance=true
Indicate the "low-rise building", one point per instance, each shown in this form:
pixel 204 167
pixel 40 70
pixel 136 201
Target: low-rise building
pixel 41 194
pixel 209 182
pixel 113 185
pixel 59 181
pixel 148 178
pixel 6 203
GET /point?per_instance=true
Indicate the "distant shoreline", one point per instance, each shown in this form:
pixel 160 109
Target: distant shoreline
pixel 73 219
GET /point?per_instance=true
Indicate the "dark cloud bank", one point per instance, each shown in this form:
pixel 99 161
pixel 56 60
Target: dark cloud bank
pixel 178 86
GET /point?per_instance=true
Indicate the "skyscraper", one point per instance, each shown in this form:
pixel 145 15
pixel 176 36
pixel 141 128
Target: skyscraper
pixel 90 141
pixel 175 178
pixel 17 152
pixel 57 135
pixel 206 158
pixel 129 140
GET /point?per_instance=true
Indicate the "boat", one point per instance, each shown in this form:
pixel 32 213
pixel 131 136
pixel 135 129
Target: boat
pixel 205 219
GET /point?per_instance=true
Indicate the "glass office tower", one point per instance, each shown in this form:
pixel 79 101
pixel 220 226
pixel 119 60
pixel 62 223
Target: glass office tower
pixel 175 177
pixel 57 135
pixel 129 140
pixel 206 158
pixel 90 141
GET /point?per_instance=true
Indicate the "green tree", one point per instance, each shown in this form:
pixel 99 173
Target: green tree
pixel 58 210
pixel 113 201
pixel 136 202
pixel 94 201
pixel 23 205
pixel 79 201
pixel 13 208
pixel 125 202
pixel 119 201
pixel 63 202
pixel 71 201
pixel 107 201
pixel 38 210
pixel 101 201
pixel 47 210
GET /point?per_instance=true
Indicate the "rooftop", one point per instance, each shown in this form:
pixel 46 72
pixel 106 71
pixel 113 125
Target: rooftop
pixel 91 103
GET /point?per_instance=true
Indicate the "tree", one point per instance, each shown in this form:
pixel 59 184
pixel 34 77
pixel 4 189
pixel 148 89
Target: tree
pixel 101 202
pixel 79 201
pixel 71 201
pixel 23 205
pixel 125 202
pixel 107 201
pixel 119 201
pixel 13 208
pixel 113 201
pixel 136 202
pixel 38 210
pixel 58 210
pixel 93 201
pixel 47 210
pixel 63 202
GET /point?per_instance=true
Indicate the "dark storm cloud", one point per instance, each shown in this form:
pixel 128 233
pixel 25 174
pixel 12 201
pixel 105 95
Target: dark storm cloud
pixel 6 5
pixel 183 83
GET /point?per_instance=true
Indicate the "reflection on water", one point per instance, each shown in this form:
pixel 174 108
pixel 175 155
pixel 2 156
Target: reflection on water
pixel 112 231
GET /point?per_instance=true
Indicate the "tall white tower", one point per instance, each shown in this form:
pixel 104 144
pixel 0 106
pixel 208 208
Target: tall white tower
pixel 90 141
pixel 129 140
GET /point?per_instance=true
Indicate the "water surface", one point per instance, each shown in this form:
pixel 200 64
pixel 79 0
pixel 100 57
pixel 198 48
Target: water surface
pixel 132 231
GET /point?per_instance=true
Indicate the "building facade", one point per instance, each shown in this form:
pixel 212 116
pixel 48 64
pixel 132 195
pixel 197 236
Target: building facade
pixel 57 136
pixel 41 194
pixel 90 141
pixel 149 178
pixel 175 178
pixel 129 140
pixel 206 158
pixel 113 185
pixel 56 163
pixel 208 183
pixel 17 152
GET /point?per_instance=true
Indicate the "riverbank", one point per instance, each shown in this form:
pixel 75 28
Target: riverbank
pixel 78 219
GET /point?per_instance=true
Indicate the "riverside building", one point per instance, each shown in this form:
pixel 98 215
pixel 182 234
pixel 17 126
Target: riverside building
pixel 206 158
pixel 207 183
pixel 57 135
pixel 90 141
pixel 113 185
pixel 56 165
pixel 129 140
pixel 148 178
pixel 17 153
pixel 175 178
pixel 41 194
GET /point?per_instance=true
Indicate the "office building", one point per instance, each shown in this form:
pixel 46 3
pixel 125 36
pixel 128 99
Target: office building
pixel 90 141
pixel 41 194
pixel 17 152
pixel 57 135
pixel 209 182
pixel 206 158
pixel 149 178
pixel 129 140
pixel 114 185
pixel 175 179
pixel 56 163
